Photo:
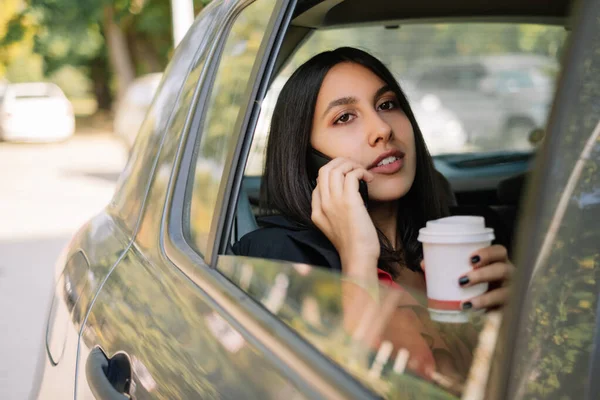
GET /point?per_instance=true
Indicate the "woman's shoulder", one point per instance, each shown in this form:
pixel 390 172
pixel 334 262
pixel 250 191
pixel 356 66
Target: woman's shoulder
pixel 282 239
pixel 262 238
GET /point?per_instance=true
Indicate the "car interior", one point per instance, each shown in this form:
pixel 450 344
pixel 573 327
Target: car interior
pixel 488 183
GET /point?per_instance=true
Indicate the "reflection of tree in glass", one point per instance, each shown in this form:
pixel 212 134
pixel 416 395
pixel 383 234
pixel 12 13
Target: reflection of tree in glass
pixel 224 105
pixel 312 307
pixel 155 314
pixel 563 293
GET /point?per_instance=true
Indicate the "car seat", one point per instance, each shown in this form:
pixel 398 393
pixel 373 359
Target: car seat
pixel 501 220
pixel 245 221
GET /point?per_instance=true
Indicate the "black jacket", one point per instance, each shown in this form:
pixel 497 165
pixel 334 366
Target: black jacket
pixel 280 238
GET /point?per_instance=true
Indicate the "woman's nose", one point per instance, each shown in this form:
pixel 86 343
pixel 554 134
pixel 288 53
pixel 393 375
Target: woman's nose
pixel 378 128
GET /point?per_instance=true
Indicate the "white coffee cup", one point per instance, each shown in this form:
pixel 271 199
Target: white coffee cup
pixel 448 244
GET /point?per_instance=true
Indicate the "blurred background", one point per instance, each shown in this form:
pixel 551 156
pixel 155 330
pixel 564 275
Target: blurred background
pixel 76 77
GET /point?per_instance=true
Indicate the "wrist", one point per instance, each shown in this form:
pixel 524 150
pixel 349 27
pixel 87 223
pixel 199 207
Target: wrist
pixel 360 267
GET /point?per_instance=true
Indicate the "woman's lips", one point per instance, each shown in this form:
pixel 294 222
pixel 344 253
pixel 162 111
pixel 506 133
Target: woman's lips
pixel 390 168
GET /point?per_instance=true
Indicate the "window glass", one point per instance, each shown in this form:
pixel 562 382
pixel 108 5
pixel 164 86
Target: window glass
pixel 224 106
pixel 453 77
pixel 385 344
pixel 555 340
pixel 134 179
pixel 443 70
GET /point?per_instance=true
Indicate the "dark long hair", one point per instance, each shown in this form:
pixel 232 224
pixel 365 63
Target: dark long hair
pixel 286 187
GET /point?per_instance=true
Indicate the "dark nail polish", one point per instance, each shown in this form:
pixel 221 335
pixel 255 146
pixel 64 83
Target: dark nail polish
pixel 463 280
pixel 475 259
pixel 467 305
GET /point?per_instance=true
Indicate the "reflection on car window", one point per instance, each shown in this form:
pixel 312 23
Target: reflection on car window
pixel 137 172
pixel 447 73
pixel 388 347
pixel 225 103
pixel 558 327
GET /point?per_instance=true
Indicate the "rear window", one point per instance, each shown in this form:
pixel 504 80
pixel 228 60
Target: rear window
pixel 469 94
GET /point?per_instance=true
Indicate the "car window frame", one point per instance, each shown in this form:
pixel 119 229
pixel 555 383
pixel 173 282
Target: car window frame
pixel 224 199
pixel 306 366
pixel 501 381
pixel 129 217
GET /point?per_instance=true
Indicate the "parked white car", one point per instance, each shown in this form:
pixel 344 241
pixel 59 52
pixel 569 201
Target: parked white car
pixel 131 110
pixel 512 93
pixel 442 130
pixel 36 112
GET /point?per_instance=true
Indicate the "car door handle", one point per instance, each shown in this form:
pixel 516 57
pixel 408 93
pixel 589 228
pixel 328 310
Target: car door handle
pixel 108 378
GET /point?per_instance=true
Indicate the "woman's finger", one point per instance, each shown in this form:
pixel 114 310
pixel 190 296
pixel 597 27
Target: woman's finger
pixel 323 179
pixel 317 216
pixel 489 255
pixel 352 178
pixel 498 271
pixel 336 178
pixel 331 178
pixel 498 297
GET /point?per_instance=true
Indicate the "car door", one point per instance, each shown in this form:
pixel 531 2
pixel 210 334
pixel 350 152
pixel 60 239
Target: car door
pixel 549 344
pixel 99 245
pixel 151 329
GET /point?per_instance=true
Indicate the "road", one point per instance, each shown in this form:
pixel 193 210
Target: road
pixel 48 191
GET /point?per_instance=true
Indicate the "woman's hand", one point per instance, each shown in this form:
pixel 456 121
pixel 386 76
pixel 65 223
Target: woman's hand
pixel 490 264
pixel 339 212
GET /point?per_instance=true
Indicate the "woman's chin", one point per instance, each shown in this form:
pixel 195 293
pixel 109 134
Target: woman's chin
pixel 390 188
pixel 386 196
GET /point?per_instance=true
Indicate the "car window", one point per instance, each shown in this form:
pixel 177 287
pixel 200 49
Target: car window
pixel 442 69
pixel 310 300
pixel 224 106
pixel 387 343
pixel 439 66
pixel 558 325
pixel 134 179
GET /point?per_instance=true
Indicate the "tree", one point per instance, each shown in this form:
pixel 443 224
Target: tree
pixel 112 40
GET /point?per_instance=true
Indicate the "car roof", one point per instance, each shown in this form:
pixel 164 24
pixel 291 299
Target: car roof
pixel 326 13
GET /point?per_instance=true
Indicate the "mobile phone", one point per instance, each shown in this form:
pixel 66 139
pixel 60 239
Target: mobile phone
pixel 316 160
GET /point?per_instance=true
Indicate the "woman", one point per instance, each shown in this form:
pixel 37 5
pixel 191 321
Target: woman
pixel 346 104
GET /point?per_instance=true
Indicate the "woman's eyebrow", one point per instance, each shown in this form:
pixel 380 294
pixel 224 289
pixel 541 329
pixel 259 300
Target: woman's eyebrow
pixel 343 101
pixel 382 90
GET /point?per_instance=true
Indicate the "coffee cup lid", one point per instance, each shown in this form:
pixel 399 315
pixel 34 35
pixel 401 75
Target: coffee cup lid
pixel 456 229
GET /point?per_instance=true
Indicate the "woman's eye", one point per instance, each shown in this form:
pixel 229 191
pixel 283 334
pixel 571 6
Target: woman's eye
pixel 387 105
pixel 343 118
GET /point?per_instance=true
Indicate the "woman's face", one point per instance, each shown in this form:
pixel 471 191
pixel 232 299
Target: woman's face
pixel 358 117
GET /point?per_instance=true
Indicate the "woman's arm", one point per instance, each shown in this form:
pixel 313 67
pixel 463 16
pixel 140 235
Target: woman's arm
pixel 370 314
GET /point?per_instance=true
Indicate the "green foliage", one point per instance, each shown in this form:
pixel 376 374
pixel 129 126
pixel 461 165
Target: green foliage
pixel 561 308
pixel 72 33
pixel 404 45
pixel 72 81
